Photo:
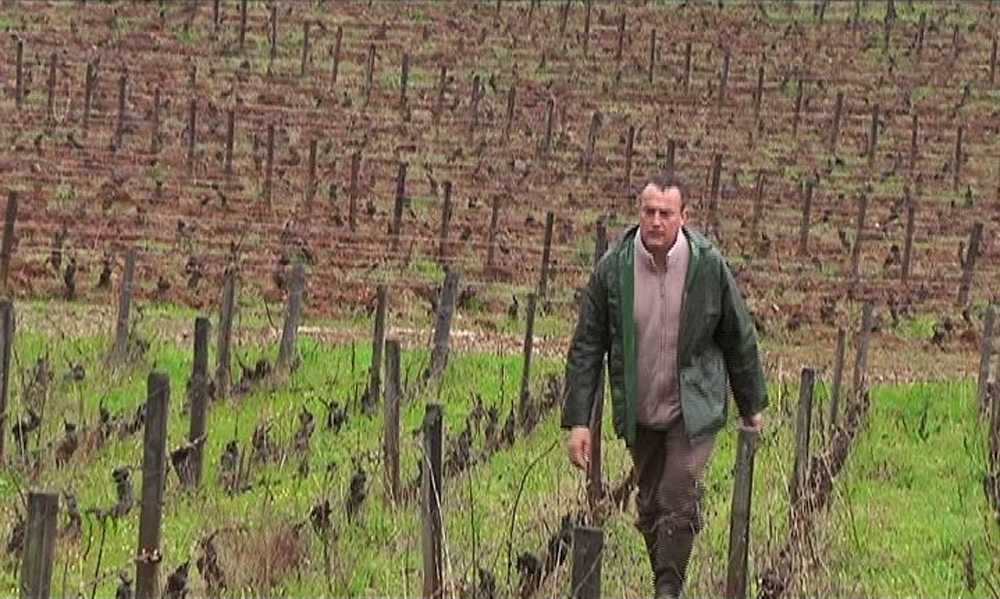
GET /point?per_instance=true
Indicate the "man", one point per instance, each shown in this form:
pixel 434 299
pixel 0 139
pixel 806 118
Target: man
pixel 663 305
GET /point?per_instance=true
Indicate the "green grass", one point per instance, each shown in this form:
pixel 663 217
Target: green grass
pixel 910 502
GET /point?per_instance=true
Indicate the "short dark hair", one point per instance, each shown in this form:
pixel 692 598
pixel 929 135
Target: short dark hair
pixel 664 180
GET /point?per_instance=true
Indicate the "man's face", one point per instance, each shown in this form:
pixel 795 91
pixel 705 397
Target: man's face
pixel 661 215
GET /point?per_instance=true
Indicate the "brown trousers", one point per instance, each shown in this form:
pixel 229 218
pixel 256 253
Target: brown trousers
pixel 668 471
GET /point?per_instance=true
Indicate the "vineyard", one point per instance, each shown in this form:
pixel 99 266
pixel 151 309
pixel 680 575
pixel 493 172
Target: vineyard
pixel 288 288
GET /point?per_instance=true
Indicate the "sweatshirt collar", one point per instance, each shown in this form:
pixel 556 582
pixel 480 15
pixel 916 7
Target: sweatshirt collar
pixel 673 254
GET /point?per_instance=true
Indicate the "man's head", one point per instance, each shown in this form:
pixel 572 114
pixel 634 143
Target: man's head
pixel 662 211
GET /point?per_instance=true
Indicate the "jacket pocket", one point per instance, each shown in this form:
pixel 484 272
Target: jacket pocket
pixel 703 393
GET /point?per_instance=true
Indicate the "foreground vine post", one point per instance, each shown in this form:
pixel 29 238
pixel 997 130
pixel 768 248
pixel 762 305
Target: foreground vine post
pixel 378 342
pixel 393 399
pixel 739 524
pixel 7 247
pixel 39 545
pixel 588 544
pixel 288 350
pixel 986 353
pixel 227 312
pixel 431 502
pixel 154 462
pixel 6 345
pixel 803 425
pixel 199 398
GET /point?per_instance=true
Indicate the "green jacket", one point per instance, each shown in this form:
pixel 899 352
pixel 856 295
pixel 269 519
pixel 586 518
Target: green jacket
pixel 716 338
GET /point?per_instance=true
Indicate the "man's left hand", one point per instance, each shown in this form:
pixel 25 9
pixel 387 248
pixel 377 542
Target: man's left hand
pixel 752 424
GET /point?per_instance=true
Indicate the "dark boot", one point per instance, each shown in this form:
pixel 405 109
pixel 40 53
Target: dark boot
pixel 670 555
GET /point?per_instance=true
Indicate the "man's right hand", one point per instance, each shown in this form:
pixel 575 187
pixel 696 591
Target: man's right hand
pixel 579 446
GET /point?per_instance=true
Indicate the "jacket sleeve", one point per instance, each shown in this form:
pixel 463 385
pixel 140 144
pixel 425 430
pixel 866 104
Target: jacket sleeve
pixel 737 337
pixel 587 349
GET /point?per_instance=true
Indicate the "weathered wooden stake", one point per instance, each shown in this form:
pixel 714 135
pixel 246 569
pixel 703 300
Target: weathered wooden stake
pixel 352 217
pixel 861 357
pixel 550 106
pixel 50 113
pixel 154 471
pixel 476 96
pixel 397 211
pixel 652 54
pixel 971 255
pixel 19 69
pixel 192 120
pixel 543 282
pixel 230 141
pixel 621 45
pixel 713 201
pixel 563 17
pixel 390 434
pixel 838 378
pixel 492 240
pixel 39 545
pixel 243 23
pixel 758 200
pixel 921 27
pixel 199 398
pixel 526 352
pixel 311 173
pixel 511 96
pixel 269 168
pixel 288 350
pixel 957 171
pixel 803 424
pixel 859 231
pixel 432 498
pixel 7 246
pixel 914 130
pixel 445 223
pixel 304 68
pixel 588 546
pixel 838 111
pixel 724 79
pixel 215 16
pixel 124 308
pixel 442 325
pixel 404 78
pixel 739 520
pixel 439 103
pixel 378 342
pixel 687 67
pixel 671 156
pixel 335 70
pixel 985 355
pixel 911 209
pixel 758 96
pixel 798 108
pixel 873 136
pixel 273 26
pixel 588 157
pixel 89 79
pixel 6 352
pixel 120 126
pixel 993 62
pixel 629 145
pixel 154 137
pixel 369 74
pixel 586 27
pixel 227 312
pixel 806 218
